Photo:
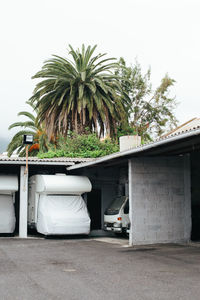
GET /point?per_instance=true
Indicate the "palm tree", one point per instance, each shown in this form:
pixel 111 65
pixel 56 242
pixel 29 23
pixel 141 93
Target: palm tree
pixel 79 95
pixel 32 127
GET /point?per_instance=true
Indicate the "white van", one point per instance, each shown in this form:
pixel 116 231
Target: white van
pixel 116 216
pixel 8 187
pixel 56 206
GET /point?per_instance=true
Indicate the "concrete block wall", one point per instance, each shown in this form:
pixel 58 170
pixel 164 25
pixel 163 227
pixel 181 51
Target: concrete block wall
pixel 160 208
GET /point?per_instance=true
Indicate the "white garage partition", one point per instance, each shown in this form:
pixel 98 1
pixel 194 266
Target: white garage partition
pixel 23 211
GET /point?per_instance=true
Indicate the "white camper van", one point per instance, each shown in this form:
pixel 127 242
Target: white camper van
pixel 116 216
pixel 56 206
pixel 8 187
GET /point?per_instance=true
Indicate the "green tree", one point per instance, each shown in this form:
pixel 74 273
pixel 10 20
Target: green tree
pixel 151 112
pixel 78 94
pixel 30 126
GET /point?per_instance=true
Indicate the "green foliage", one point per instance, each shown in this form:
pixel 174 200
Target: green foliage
pixel 125 130
pixel 151 112
pixel 78 93
pixel 86 145
pixel 30 126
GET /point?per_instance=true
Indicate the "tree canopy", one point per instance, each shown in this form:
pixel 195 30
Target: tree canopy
pixel 150 112
pixel 80 93
pixel 78 101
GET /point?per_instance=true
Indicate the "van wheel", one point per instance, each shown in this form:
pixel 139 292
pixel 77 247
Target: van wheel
pixel 122 234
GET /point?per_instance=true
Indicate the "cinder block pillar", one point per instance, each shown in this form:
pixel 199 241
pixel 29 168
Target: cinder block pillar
pixel 160 199
pixel 23 210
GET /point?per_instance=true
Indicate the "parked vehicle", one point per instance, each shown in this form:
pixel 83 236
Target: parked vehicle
pixel 8 187
pixel 56 206
pixel 116 216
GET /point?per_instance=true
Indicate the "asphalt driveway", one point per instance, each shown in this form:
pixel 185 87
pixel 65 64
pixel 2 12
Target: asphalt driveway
pixel 96 269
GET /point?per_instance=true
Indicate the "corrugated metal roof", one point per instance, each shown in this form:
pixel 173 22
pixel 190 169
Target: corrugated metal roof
pixel 185 127
pixel 45 161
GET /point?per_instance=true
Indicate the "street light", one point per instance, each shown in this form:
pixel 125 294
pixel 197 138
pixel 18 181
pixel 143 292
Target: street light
pixel 28 140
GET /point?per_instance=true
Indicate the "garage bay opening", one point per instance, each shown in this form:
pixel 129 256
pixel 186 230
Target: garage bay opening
pixel 195 196
pixel 94 208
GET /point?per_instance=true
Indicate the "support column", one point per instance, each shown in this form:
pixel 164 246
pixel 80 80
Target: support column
pixel 161 205
pixel 23 205
pixel 130 179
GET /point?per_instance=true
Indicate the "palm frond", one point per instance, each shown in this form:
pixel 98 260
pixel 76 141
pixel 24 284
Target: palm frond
pixel 78 92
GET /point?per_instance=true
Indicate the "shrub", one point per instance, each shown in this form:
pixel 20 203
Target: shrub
pixel 87 145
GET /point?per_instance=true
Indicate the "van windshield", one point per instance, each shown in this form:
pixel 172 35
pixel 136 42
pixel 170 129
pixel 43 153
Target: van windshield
pixel 115 206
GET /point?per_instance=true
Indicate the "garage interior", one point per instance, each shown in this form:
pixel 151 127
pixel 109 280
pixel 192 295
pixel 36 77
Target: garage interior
pixel 176 183
pixel 159 196
pixel 165 189
pixel 108 182
pixel 12 169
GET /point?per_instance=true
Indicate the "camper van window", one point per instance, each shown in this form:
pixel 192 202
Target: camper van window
pixel 115 206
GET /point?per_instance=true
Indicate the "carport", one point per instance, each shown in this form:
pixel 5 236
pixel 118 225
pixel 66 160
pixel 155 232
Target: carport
pixel 161 179
pixel 16 166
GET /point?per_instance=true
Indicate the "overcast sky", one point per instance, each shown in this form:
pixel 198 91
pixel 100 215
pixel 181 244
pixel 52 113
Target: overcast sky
pixel 162 34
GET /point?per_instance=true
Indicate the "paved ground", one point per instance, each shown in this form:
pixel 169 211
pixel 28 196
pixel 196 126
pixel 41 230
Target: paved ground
pixel 96 269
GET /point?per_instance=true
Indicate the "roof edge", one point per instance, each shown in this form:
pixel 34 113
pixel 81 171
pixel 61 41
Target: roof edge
pixel 46 163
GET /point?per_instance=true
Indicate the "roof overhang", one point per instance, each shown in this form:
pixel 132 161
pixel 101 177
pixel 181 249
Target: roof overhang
pixel 58 161
pixel 45 163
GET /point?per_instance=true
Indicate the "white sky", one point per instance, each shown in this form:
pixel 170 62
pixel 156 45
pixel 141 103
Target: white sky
pixel 164 34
